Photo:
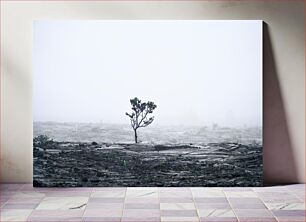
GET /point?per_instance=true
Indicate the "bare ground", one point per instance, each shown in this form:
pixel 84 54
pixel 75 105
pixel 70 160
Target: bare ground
pixel 77 164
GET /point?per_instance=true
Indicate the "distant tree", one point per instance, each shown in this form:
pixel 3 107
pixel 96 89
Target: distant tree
pixel 139 116
pixel 43 141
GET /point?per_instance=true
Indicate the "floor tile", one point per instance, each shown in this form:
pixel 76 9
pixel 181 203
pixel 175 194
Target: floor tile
pixel 180 194
pixel 22 202
pixel 274 193
pixel 245 200
pixel 25 200
pixel 207 192
pixel 224 205
pixel 105 200
pixel 176 200
pixel 14 214
pixel 218 219
pixel 27 194
pixel 19 206
pixel 286 206
pixel 179 219
pixel 296 187
pixel 68 193
pixel 10 186
pixel 280 200
pixel 55 219
pixel 141 206
pixel 255 219
pixel 109 193
pixel 210 200
pixel 103 213
pixel 101 219
pixel 109 189
pixel 273 197
pixel 3 200
pixel 62 203
pixel 140 219
pixel 142 200
pixel 236 205
pixel 139 192
pixel 104 206
pixel 142 213
pixel 216 213
pixel 57 213
pixel 175 189
pixel 177 206
pixel 253 213
pixel 278 189
pixel 289 213
pixel 179 213
pixel 299 194
pixel 240 194
pixel 238 189
pixel 27 187
pixel 291 219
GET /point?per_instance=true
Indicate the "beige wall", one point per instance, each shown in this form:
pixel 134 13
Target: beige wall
pixel 284 81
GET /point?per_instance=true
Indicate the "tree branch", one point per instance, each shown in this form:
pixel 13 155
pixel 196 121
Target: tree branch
pixel 145 115
pixel 140 112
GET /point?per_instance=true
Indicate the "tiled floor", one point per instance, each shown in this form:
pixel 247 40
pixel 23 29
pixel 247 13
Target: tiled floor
pixel 22 202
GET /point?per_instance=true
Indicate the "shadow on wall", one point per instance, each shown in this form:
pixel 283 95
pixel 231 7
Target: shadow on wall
pixel 278 160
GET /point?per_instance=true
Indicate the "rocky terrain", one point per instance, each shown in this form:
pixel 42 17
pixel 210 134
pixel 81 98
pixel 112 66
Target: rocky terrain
pixel 74 164
pixel 123 133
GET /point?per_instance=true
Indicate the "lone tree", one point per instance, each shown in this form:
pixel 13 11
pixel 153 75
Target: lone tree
pixel 139 116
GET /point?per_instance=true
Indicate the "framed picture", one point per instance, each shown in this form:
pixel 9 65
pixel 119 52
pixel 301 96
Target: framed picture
pixel 147 103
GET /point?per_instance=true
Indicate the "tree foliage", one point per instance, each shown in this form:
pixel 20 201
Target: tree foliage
pixel 140 115
pixel 42 140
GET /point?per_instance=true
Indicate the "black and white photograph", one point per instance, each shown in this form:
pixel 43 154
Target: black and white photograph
pixel 146 103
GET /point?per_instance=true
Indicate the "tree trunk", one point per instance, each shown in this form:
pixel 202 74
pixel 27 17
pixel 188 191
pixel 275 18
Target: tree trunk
pixel 135 132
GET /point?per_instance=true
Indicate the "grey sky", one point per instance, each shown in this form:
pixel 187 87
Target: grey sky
pixel 197 72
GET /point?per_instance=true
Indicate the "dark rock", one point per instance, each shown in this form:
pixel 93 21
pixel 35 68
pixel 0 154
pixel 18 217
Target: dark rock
pixel 218 164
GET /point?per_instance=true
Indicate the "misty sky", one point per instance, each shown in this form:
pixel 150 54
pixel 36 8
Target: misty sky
pixel 197 72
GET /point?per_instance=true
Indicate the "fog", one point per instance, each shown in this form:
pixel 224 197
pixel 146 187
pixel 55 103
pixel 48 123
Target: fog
pixel 196 72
